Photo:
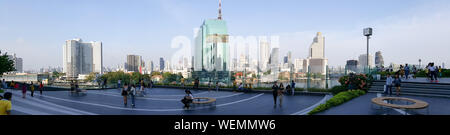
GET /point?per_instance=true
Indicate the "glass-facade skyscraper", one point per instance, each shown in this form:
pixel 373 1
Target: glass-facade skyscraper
pixel 212 52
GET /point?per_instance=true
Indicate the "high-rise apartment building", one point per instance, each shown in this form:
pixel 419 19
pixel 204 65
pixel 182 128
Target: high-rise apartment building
pixel 82 58
pixel 134 63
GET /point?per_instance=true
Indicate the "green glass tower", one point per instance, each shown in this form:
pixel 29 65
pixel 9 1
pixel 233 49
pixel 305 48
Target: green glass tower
pixel 212 55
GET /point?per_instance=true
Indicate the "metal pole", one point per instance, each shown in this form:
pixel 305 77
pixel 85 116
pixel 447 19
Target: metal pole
pixel 368 68
pixel 326 77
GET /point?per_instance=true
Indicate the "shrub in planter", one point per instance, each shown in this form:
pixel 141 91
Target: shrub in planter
pixel 354 81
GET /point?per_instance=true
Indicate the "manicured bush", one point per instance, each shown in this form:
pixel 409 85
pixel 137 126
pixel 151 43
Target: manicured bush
pixel 1 91
pixel 338 99
pixel 337 89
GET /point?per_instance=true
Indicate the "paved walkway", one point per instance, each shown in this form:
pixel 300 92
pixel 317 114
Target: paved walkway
pixel 362 106
pixel 160 101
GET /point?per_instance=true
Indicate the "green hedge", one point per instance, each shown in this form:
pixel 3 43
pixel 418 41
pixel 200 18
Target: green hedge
pixel 1 91
pixel 337 89
pixel 338 99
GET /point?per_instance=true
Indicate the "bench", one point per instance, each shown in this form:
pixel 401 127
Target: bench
pixel 203 101
pixel 416 104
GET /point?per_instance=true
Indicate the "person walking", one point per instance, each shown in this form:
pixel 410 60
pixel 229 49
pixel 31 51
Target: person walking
pixel 12 85
pixel 119 83
pixel 397 82
pixel 406 71
pixel 388 84
pixel 217 86
pixel 125 94
pixel 432 71
pixel 5 104
pixel 274 93
pixel 280 93
pixel 24 90
pixel 440 72
pixel 104 83
pixel 182 82
pixel 41 87
pixel 72 86
pixel 4 84
pixel 151 84
pixel 414 71
pixel 143 88
pixel 292 87
pixel 288 88
pixel 32 89
pixel 402 71
pixel 133 94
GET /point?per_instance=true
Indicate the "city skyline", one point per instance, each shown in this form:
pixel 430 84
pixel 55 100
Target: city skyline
pixel 411 25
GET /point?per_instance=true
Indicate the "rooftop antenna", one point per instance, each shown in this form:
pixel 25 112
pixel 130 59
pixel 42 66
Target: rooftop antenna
pixel 220 10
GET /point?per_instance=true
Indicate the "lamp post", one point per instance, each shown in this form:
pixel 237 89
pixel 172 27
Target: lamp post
pixel 420 63
pixel 368 33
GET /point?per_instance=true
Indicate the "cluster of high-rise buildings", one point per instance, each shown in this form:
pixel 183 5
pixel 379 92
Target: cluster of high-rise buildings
pixel 359 65
pixel 211 60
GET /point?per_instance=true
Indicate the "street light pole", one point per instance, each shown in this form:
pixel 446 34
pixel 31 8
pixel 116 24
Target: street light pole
pixel 368 67
pixel 368 33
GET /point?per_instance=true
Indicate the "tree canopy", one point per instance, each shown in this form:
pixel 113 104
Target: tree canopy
pixel 6 65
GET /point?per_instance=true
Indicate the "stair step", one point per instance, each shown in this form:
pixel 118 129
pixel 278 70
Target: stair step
pixel 416 94
pixel 431 92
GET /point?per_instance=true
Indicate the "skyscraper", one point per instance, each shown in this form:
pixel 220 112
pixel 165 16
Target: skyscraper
pixel 352 65
pixel 161 64
pixel 134 63
pixel 212 50
pixel 264 54
pixel 150 67
pixel 363 61
pixel 274 59
pixel 18 63
pixel 82 58
pixel 317 49
pixel 316 60
pixel 379 62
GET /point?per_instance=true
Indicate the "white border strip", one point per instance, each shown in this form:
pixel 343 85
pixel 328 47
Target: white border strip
pixel 307 110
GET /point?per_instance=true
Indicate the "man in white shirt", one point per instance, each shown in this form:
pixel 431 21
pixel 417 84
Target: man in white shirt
pixel 388 84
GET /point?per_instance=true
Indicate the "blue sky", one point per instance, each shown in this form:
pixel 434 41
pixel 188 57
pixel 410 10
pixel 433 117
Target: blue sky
pixel 36 30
